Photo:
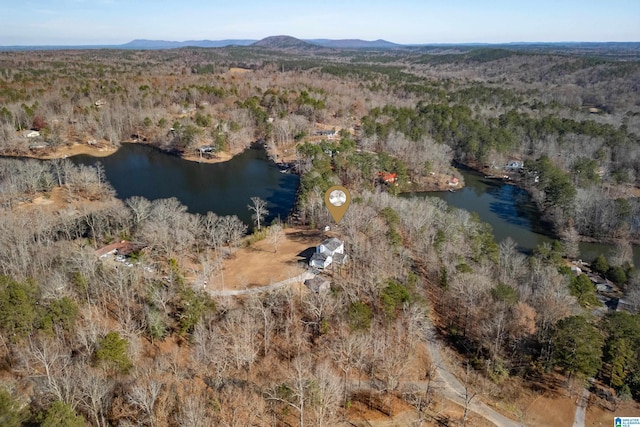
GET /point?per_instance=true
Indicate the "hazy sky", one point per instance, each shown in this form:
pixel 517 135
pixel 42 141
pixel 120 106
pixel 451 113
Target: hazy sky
pixel 30 22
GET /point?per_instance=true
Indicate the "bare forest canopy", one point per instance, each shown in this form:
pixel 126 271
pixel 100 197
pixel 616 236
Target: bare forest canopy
pixel 139 341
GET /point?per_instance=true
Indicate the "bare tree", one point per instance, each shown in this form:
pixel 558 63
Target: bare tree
pixel 275 235
pixel 326 395
pixel 143 394
pixel 96 396
pixel 511 261
pixel 470 392
pixel 297 387
pixel 140 207
pixel 55 362
pixel 259 209
pixel 241 333
pixel 194 408
pixel 347 351
pixel 233 229
pixel 264 306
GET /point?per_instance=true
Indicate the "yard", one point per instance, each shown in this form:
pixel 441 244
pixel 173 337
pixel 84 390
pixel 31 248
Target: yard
pixel 260 265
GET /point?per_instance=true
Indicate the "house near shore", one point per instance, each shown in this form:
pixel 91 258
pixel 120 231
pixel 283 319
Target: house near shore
pixel 207 149
pixel 388 177
pixel 123 247
pixel 39 145
pixel 329 134
pixel 515 165
pixel 329 251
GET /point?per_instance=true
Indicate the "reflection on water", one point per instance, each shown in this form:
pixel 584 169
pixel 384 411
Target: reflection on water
pixel 224 188
pixel 511 213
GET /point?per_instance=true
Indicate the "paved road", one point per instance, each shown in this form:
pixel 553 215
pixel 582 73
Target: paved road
pixel 581 410
pixel 453 389
pixel 450 386
pixel 301 278
pixel 447 385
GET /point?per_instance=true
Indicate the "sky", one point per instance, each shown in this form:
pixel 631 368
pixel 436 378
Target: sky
pixel 90 22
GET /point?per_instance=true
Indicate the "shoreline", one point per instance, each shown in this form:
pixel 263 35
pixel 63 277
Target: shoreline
pixel 435 184
pixel 516 179
pixel 77 149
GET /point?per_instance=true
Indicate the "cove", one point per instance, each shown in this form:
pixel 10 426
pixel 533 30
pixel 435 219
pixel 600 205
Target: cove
pixel 223 188
pixel 511 213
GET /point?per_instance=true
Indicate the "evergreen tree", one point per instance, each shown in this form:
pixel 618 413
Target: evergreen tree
pixel 62 415
pixel 577 346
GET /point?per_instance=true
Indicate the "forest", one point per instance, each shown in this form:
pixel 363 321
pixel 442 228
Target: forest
pixel 87 342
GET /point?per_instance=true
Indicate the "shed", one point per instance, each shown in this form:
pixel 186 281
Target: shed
pixel 318 284
pixel 339 258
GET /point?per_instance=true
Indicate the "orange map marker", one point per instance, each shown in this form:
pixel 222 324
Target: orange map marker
pixel 337 199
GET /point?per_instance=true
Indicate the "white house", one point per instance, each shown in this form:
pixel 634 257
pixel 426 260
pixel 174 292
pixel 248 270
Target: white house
pixel 32 134
pixel 515 165
pixel 330 250
pixel 331 247
pixel 320 260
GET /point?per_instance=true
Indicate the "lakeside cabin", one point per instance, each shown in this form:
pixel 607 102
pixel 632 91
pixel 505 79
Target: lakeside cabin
pixel 123 247
pixel 329 134
pixel 388 177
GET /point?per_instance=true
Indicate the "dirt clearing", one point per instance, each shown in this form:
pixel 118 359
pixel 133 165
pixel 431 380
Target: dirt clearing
pixel 260 265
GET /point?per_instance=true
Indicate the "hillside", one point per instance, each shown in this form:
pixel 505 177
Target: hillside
pixel 355 44
pixel 284 42
pixel 164 44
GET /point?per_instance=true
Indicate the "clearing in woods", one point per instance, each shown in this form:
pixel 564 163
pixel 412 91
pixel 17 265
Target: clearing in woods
pixel 260 265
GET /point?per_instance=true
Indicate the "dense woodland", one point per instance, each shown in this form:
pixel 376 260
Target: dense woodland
pixel 83 342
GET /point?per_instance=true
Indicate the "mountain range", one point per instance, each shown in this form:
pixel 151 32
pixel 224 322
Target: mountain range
pixel 282 42
pixel 292 43
pixel 276 42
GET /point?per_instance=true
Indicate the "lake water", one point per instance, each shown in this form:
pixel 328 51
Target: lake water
pixel 223 188
pixel 511 213
pixel 226 189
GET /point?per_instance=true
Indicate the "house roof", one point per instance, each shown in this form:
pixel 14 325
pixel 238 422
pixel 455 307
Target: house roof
pixel 123 247
pixel 317 256
pixel 388 176
pixel 316 283
pixel 340 258
pixel 332 244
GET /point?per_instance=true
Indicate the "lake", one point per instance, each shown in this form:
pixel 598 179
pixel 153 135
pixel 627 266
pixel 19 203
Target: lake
pixel 223 188
pixel 511 213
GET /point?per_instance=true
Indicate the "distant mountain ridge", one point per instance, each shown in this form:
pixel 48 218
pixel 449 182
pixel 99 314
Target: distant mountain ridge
pixel 284 42
pixel 278 42
pixel 291 43
pixel 355 43
pixel 164 44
